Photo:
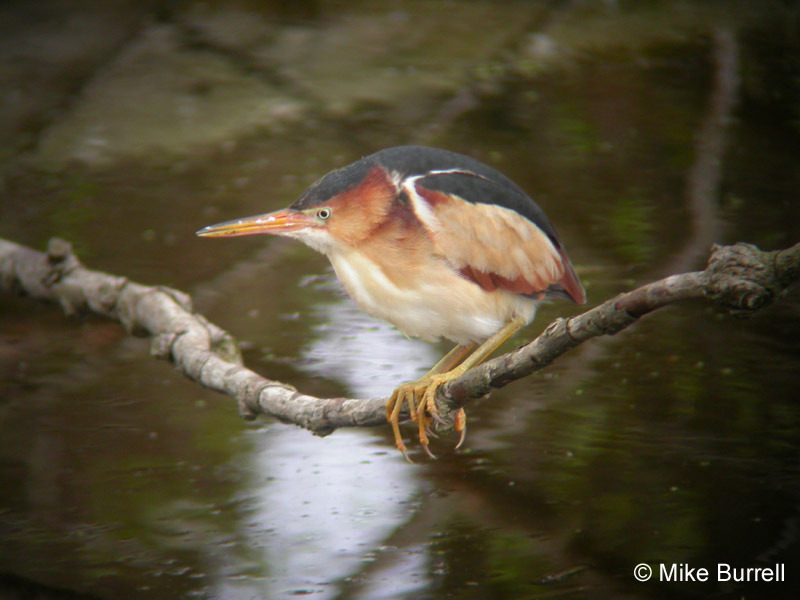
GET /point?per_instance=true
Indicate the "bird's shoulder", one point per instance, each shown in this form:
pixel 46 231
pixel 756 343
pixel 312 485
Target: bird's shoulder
pixel 459 176
pixel 482 223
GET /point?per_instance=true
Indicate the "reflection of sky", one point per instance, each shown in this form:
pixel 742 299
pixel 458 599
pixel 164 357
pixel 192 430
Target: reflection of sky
pixel 321 509
pixel 370 357
pixel 402 576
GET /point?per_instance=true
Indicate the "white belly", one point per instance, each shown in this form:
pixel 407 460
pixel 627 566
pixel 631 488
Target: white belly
pixel 429 303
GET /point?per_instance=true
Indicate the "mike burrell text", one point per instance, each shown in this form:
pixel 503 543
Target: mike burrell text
pixel 724 572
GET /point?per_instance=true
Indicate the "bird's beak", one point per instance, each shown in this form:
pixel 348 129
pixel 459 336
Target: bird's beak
pixel 278 222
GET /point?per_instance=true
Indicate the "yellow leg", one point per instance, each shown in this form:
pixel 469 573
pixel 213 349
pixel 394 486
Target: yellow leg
pixel 408 393
pixel 428 401
pixel 421 395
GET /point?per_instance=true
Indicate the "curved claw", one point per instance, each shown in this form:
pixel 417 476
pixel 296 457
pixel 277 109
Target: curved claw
pixel 431 433
pixel 439 420
pixel 462 438
pixel 461 425
pixel 420 398
pixel 406 456
pixel 428 451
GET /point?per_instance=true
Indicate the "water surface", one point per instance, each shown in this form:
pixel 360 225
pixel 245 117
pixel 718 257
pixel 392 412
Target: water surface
pixel 676 441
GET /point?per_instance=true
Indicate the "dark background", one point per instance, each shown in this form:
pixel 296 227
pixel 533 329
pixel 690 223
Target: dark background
pixel 646 130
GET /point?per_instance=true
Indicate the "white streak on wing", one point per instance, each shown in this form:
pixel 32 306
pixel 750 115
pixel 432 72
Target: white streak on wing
pixel 422 209
pixel 396 179
pixel 456 172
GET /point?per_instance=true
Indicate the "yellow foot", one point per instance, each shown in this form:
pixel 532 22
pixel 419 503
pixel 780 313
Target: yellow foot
pixel 420 398
pixel 406 393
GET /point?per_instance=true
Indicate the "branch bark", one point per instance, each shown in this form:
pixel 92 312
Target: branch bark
pixel 740 278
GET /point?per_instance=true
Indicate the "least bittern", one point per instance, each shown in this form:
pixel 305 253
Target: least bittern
pixel 439 245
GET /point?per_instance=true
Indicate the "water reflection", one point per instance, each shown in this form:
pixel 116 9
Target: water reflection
pixel 676 440
pixel 370 357
pixel 401 575
pixel 318 509
pixel 341 513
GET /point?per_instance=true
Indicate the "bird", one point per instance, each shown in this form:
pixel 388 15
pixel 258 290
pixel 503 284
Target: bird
pixel 436 243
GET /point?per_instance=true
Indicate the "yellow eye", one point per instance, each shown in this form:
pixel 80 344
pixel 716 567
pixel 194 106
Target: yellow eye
pixel 324 213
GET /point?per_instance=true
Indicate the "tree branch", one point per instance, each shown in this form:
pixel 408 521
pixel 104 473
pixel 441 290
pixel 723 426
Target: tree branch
pixel 740 278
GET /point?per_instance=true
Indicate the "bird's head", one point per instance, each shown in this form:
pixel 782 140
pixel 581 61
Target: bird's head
pixel 343 207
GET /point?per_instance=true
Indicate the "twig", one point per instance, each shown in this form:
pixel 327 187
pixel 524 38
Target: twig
pixel 740 278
